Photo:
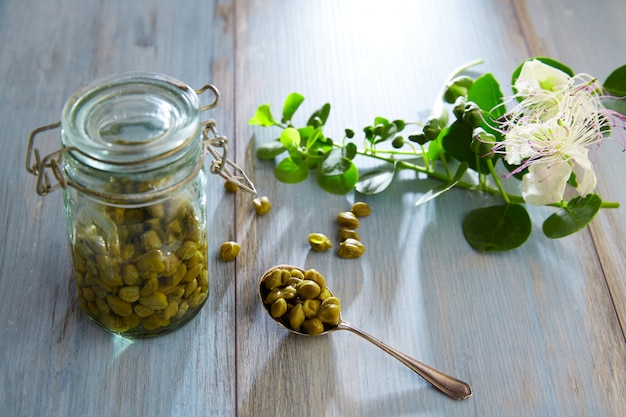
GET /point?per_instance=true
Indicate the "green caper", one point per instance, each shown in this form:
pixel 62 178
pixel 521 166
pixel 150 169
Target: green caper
pixel 345 233
pixel 332 300
pixel 288 292
pixel 229 251
pixel 273 279
pixel 296 273
pixel 296 317
pixel 361 209
pixel 311 308
pixel 262 205
pixel 273 295
pixel 330 313
pixel 319 242
pixel 351 248
pixel 308 289
pixel 313 326
pixel 313 275
pixel 231 187
pixel 348 219
pixel 278 308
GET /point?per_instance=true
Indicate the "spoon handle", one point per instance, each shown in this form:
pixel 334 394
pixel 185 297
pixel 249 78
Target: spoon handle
pixel 445 383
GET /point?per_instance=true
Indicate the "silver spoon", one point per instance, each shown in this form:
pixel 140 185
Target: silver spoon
pixel 445 383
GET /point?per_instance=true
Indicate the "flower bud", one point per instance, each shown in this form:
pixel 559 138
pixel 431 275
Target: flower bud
pixel 472 115
pixel 458 87
pixel 431 128
pixel 459 107
pixel 397 142
pixel 482 143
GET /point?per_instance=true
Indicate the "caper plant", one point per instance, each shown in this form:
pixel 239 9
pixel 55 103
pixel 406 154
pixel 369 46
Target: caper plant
pixel 556 118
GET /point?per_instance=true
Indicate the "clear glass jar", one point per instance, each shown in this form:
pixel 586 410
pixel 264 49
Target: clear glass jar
pixel 132 170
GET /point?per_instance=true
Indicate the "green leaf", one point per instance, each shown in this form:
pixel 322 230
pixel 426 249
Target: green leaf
pixel 313 137
pixel 322 114
pixel 548 61
pixel 376 181
pixel 435 192
pixel 573 217
pixel 486 93
pixel 292 102
pixel 270 150
pixel 290 138
pixel 291 171
pixel 263 116
pixel 497 228
pixel 616 82
pixel 337 174
pixel 457 140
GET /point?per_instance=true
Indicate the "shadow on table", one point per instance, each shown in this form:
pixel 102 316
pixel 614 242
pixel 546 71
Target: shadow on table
pixel 283 386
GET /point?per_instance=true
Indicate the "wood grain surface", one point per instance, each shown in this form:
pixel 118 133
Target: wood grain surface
pixel 538 331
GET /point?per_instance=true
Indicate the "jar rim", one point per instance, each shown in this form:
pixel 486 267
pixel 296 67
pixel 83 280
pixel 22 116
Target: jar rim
pixel 135 119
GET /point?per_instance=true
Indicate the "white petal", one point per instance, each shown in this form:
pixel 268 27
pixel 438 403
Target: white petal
pixel 545 182
pixel 536 76
pixel 585 176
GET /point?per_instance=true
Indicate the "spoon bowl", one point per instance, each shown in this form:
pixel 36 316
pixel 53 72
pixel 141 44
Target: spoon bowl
pixel 445 383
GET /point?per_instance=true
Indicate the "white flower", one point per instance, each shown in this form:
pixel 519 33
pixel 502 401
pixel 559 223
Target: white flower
pixel 551 131
pixel 536 77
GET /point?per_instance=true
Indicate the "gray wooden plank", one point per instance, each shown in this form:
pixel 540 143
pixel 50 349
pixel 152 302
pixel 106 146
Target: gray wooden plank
pixel 577 41
pixel 533 330
pixel 54 361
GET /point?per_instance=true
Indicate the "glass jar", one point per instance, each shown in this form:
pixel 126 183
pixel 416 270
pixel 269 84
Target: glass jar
pixel 132 170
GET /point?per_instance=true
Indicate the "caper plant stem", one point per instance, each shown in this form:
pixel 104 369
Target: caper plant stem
pixel 425 157
pixel 444 161
pixel 496 178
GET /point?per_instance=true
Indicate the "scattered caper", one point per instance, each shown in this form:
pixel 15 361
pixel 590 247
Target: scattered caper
pixel 351 248
pixel 345 233
pixel 361 209
pixel 320 242
pixel 348 219
pixel 262 205
pixel 229 251
pixel 231 187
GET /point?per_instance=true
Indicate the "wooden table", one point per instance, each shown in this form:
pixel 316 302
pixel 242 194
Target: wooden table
pixel 538 331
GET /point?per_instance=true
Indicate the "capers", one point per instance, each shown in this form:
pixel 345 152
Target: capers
pixel 231 187
pixel 262 205
pixel 140 270
pixel 351 248
pixel 302 302
pixel 320 242
pixel 229 251
pixel 348 219
pixel 361 209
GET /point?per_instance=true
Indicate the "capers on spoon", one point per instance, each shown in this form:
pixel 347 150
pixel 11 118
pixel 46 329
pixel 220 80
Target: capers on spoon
pixel 299 300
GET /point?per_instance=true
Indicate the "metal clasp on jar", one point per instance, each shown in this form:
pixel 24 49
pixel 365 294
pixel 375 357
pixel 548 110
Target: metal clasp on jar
pixel 212 143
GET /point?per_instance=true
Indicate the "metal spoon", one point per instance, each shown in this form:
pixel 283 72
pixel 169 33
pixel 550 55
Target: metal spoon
pixel 445 383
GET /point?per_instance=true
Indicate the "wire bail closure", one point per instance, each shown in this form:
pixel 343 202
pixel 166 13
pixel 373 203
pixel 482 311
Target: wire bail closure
pixel 211 140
